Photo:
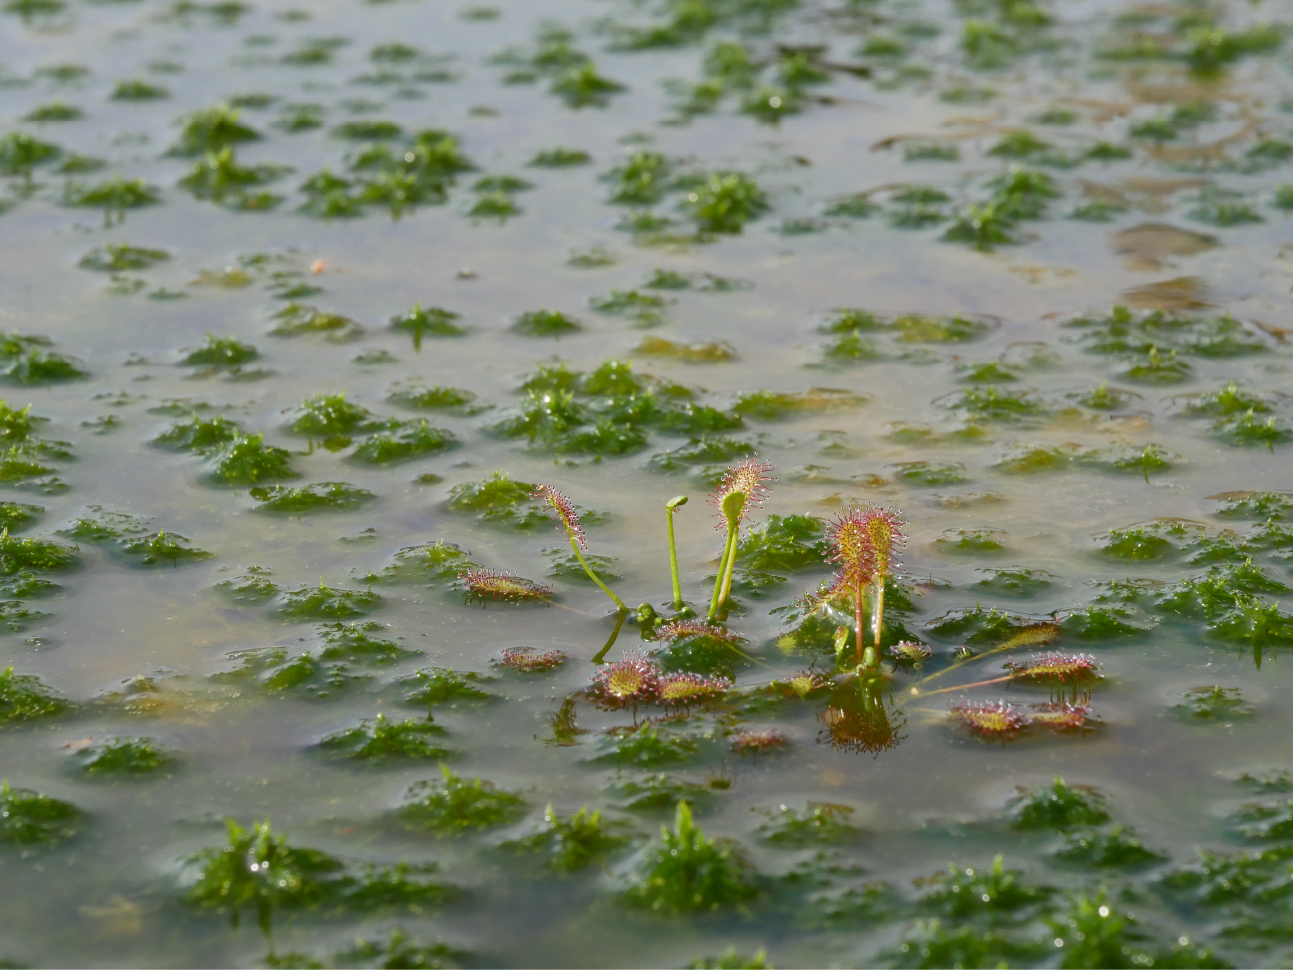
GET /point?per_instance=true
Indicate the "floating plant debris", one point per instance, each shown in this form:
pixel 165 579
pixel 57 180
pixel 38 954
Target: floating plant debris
pixel 529 660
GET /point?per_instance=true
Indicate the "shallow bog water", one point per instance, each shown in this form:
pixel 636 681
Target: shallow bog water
pixel 1018 271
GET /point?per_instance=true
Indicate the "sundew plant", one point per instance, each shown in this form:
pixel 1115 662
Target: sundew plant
pixel 698 483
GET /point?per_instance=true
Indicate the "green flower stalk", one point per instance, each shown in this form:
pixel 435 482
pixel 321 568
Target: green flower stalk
pixel 743 487
pixel 884 532
pixel 569 521
pixel 670 507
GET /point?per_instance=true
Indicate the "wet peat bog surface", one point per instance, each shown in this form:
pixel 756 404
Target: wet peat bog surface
pixel 301 303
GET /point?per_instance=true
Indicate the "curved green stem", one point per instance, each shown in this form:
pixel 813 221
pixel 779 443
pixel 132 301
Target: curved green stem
pixel 601 654
pixel 729 551
pixel 673 563
pixel 731 568
pixel 593 576
pixel 878 619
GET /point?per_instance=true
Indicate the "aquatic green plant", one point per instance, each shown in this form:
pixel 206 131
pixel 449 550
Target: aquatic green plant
pixel 23 698
pixel 211 130
pixel 400 950
pixel 994 893
pixel 326 602
pixel 18 554
pixel 440 685
pixel 687 872
pixel 21 152
pixel 560 158
pixel 263 872
pixel 316 497
pixel 219 351
pixel 17 515
pixel 1265 506
pixel 933 944
pixel 29 818
pixel 820 823
pixel 491 584
pixel 581 86
pixel 123 756
pixel 329 416
pixel 428 562
pixel 402 440
pixel 570 844
pixel 1058 806
pixel 1117 847
pixel 298 320
pixel 457 807
pixel 1211 704
pixel 435 321
pixel 247 460
pixel 725 202
pixel 660 792
pixel 378 740
pixel 744 487
pixel 545 323
pixel 646 747
pixel 150 550
pixel 120 257
pixel 200 434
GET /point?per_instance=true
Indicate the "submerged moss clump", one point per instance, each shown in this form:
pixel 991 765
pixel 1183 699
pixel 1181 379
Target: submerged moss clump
pixel 1117 847
pixel 212 130
pixel 440 685
pixel 329 416
pixel 221 352
pixel 377 740
pixel 316 497
pixel 298 320
pixel 1058 806
pixel 932 943
pixel 325 602
pixel 121 257
pixel 688 873
pixel 247 460
pixel 23 698
pixel 432 321
pixel 114 194
pixel 355 643
pixel 458 807
pixel 992 892
pixel 545 323
pixel 645 747
pixel 430 562
pixel 820 823
pixel 29 818
pixel 200 434
pixel 1264 506
pixel 262 872
pixel 18 515
pixel 1213 704
pixel 38 555
pixel 152 550
pixel 502 501
pixel 725 202
pixel 573 843
pixel 403 440
pixel 123 756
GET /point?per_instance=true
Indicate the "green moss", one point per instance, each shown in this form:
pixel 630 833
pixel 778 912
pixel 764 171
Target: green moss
pixel 20 153
pixel 560 158
pixel 582 87
pixel 297 320
pixel 1099 623
pixel 995 893
pixel 775 405
pixel 1015 582
pixel 996 404
pixel 400 950
pixel 1129 334
pixel 123 756
pixel 355 643
pixel 1025 460
pixel 247 460
pixel 23 698
pixel 200 434
pixel 707 449
pixel 1264 506
pixel 933 944
pixel 54 111
pixel 401 441
pixel 377 741
pixel 317 497
pixel 219 178
pixel 1058 806
pixel 553 377
pixel 439 685
pixel 1151 541
pixel 325 602
pixel 545 323
pixel 459 807
pixel 1146 461
pixel 433 321
pixel 16 516
pixel 39 367
pixel 211 130
pixel 1117 847
pixel 250 589
pixel 1248 429
pixel 686 872
pixel 660 792
pixel 221 352
pixel 784 543
pixel 820 823
pixel 120 257
pixel 430 562
pixel 497 497
pixel 495 205
pixel 262 872
pixel 572 844
pixel 646 309
pixel 645 747
pixel 725 202
pixel 969 541
pixel 329 415
pixel 39 555
pixel 30 818
pixel 931 473
pixel 1213 704
pixel 114 194
pixel 159 547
